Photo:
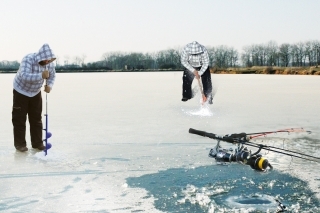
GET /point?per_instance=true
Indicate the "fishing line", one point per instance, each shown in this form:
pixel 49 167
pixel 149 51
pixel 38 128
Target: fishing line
pixel 285 150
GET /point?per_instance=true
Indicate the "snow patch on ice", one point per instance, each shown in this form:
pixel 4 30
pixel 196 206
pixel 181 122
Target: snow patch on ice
pixel 203 111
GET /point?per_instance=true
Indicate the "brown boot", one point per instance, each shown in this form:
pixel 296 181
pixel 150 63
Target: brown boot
pixel 41 147
pixel 22 148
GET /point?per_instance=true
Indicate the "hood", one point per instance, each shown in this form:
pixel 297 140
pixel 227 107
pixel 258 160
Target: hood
pixel 45 53
pixel 194 48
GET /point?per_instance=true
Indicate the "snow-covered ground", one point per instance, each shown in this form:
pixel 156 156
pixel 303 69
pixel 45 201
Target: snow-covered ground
pixel 120 143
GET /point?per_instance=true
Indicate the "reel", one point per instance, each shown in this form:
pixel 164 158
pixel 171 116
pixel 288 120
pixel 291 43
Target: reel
pixel 241 155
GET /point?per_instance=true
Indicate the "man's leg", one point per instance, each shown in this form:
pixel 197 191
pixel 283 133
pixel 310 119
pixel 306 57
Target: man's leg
pixel 35 120
pixel 19 117
pixel 207 84
pixel 187 79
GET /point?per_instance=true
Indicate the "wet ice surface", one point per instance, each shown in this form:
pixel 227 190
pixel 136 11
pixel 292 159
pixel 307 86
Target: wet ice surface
pixel 120 143
pixel 210 188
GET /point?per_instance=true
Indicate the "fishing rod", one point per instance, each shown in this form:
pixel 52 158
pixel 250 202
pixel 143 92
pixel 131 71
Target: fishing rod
pixel 47 133
pixel 245 156
pixel 259 134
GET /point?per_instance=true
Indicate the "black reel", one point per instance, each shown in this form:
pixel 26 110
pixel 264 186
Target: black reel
pixel 242 155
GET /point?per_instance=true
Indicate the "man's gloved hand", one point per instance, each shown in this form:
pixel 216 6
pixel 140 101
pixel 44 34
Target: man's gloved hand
pixel 45 74
pixel 47 89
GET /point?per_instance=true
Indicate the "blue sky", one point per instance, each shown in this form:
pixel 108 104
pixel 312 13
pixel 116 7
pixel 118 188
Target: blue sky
pixel 93 27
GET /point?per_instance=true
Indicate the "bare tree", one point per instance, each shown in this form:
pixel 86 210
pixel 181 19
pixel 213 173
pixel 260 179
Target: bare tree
pixel 297 52
pixel 233 55
pixel 106 57
pixel 284 54
pixel 66 60
pixel 223 56
pixel 211 51
pixel 77 60
pixel 272 50
pixel 315 53
pixel 246 56
pixel 82 58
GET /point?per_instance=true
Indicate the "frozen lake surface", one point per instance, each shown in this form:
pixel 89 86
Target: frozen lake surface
pixel 120 143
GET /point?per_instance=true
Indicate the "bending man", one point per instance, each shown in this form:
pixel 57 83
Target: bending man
pixel 27 99
pixel 195 59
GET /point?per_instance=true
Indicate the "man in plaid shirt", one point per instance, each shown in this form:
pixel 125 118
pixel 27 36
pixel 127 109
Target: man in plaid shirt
pixel 34 69
pixel 195 59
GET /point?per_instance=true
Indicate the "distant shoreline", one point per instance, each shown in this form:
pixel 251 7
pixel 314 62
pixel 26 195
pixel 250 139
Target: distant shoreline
pixel 95 71
pixel 315 70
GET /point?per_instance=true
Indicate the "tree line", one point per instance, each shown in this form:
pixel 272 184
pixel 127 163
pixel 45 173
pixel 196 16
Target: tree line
pixel 298 55
pixel 270 54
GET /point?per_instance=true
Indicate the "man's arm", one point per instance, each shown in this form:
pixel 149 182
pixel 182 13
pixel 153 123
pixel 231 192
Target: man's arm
pixel 184 61
pixel 25 71
pixel 205 62
pixel 52 76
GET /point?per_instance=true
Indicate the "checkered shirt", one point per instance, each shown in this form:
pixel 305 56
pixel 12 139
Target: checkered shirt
pixel 194 55
pixel 28 80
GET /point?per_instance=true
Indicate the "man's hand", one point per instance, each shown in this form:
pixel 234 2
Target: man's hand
pixel 45 74
pixel 195 72
pixel 47 89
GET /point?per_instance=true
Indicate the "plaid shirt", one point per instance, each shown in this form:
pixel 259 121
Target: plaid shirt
pixel 194 55
pixel 28 80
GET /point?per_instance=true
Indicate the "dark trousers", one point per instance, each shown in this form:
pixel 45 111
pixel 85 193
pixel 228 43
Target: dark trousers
pixel 187 79
pixel 23 106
